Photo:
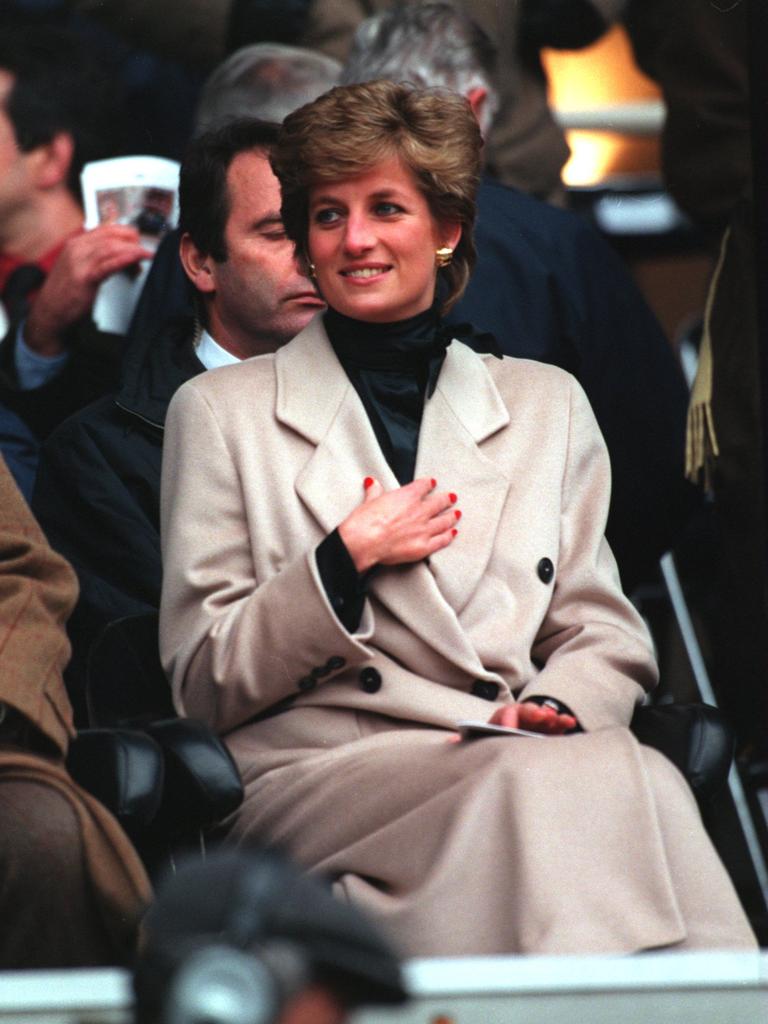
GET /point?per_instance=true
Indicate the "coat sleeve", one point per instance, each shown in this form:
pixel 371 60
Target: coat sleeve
pixel 37 592
pixel 594 648
pixel 91 370
pixel 234 644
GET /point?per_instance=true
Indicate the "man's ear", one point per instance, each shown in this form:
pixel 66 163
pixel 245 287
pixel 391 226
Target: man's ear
pixel 478 97
pixel 49 163
pixel 197 265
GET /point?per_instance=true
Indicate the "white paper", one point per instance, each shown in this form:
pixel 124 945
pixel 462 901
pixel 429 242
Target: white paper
pixel 142 191
pixel 470 729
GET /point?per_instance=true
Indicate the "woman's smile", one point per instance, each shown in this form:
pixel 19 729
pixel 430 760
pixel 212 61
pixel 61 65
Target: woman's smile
pixel 365 273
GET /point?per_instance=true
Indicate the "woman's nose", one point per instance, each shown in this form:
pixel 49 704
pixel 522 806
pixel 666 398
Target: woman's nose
pixel 358 236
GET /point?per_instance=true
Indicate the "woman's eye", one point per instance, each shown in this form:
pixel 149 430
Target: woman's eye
pixel 387 209
pixel 327 216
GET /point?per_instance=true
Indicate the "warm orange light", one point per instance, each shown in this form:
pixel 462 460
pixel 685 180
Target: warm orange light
pixel 594 156
pixel 602 74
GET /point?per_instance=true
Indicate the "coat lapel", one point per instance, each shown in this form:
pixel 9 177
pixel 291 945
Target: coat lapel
pixel 315 398
pixel 465 410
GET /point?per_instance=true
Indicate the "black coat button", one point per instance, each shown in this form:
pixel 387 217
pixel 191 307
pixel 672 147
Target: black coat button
pixel 546 570
pixel 485 689
pixel 370 679
pixel 307 683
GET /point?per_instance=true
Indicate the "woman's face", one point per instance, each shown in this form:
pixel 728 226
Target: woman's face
pixel 372 239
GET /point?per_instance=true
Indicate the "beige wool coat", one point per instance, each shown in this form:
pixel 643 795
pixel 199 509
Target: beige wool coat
pixel 569 844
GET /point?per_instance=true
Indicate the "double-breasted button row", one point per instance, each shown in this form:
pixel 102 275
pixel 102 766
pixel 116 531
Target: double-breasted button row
pixel 485 688
pixel 546 570
pixel 309 682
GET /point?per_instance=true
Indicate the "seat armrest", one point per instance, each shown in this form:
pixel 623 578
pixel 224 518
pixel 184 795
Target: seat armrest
pixel 695 737
pixel 124 769
pixel 202 782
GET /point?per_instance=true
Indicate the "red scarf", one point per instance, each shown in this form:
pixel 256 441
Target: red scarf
pixel 8 264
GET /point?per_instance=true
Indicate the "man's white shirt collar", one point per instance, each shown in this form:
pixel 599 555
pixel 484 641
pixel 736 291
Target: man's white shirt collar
pixel 211 354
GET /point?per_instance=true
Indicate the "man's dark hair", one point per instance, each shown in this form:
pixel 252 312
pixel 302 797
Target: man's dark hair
pixel 203 195
pixel 60 86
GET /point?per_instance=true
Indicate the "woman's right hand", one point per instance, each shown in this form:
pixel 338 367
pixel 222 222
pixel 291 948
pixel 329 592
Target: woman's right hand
pixel 404 525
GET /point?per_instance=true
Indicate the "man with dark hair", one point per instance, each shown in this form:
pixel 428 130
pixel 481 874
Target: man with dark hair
pixel 55 107
pixel 250 301
pixel 97 492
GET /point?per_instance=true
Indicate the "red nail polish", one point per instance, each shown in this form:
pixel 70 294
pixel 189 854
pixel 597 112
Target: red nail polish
pixel 368 482
pixel 454 532
pixel 457 513
pixel 433 482
pixel 453 498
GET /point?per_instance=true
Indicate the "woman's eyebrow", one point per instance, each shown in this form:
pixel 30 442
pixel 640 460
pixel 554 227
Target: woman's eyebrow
pixel 390 192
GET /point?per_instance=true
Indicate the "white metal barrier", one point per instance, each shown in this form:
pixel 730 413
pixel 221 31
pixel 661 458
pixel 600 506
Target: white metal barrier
pixel 684 988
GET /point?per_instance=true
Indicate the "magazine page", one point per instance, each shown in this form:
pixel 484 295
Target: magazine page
pixel 142 191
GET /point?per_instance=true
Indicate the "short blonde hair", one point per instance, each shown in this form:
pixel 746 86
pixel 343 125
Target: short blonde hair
pixel 351 128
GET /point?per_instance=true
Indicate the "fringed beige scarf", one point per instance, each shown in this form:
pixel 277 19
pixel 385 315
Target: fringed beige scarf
pixel 701 447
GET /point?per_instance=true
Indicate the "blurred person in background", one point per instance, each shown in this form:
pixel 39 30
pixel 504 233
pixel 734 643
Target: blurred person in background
pixel 54 117
pixel 265 80
pixel 72 888
pixel 244 938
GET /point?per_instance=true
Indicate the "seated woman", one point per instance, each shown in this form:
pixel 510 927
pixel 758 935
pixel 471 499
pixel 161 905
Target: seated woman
pixel 375 533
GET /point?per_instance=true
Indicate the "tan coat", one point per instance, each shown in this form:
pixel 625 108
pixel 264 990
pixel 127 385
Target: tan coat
pixel 261 461
pixel 37 591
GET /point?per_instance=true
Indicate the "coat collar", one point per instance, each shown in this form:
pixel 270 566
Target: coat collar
pixel 316 399
pixel 312 386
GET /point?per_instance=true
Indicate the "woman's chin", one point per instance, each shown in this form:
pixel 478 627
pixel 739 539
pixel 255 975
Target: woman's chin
pixel 376 309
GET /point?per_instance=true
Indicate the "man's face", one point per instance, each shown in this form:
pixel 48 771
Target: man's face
pixel 260 300
pixel 15 186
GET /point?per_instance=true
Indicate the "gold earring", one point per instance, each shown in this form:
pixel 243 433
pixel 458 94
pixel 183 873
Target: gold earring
pixel 443 256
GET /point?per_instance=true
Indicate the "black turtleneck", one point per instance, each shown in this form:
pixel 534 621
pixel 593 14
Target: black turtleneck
pixel 394 369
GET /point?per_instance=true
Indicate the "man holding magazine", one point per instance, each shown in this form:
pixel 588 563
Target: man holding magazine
pixel 54 116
